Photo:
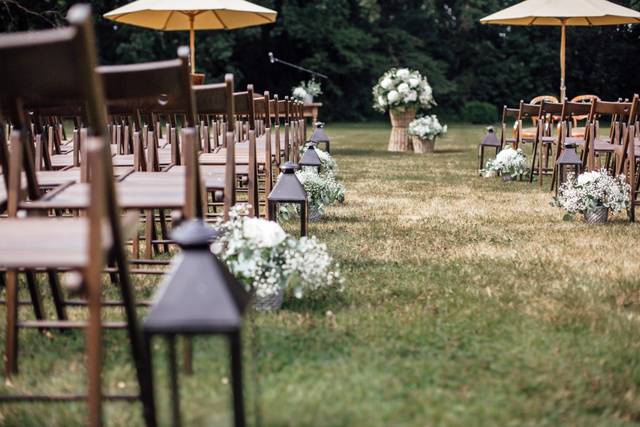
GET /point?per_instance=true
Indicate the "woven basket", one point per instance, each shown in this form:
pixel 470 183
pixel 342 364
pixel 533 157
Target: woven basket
pixel 399 139
pixel 423 146
pixel 599 215
pixel 271 302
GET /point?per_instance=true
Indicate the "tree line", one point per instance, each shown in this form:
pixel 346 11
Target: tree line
pixel 355 41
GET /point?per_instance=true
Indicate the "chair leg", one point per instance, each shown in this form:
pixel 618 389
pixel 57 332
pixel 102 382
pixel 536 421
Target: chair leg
pixel 163 231
pixel 94 351
pixel 11 344
pixel 148 234
pixel 57 295
pixel 533 161
pixel 34 294
pixel 480 159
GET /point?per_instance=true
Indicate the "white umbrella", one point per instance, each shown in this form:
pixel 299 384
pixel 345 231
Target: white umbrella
pixel 563 13
pixel 192 15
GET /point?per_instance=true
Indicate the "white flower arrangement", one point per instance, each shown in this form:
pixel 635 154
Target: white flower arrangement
pixel 266 259
pixel 299 93
pixel 401 89
pixel 427 127
pixel 592 190
pixel 322 189
pixel 307 89
pixel 508 162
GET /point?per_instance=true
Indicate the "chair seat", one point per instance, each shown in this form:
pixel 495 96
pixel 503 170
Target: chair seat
pixel 50 179
pixel 212 176
pixel 132 193
pixel 528 133
pixel 607 147
pixel 46 242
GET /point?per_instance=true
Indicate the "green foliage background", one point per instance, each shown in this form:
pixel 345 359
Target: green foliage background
pixel 355 41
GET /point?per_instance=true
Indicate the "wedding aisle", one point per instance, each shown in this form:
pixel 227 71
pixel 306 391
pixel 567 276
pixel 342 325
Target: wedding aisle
pixel 467 301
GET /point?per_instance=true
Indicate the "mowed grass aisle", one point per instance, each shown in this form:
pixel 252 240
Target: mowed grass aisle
pixel 467 302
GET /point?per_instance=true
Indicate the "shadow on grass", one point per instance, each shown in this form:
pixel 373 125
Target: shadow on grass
pixel 451 151
pixel 318 304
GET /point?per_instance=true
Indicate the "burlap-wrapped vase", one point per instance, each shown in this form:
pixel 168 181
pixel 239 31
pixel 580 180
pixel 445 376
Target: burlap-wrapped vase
pixel 399 139
pixel 423 145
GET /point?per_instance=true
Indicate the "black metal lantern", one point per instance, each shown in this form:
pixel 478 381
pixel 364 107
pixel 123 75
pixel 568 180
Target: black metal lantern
pixel 490 141
pixel 199 297
pixel 320 136
pixel 568 162
pixel 310 157
pixel 288 189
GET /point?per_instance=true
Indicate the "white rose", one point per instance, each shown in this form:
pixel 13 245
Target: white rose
pixel 403 73
pixel 263 233
pixel 382 101
pixel 393 96
pixel 588 177
pixel 299 92
pixel 414 82
pixel 386 83
pixel 403 88
pixel 412 96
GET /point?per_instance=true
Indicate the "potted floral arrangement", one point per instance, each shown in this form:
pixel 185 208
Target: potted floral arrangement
pixel 424 132
pixel 321 186
pixel 270 262
pixel 307 91
pixel 594 194
pixel 509 164
pixel 402 92
pixel 322 190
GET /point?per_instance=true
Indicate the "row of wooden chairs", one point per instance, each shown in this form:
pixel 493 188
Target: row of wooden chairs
pixel 147 149
pixel 557 125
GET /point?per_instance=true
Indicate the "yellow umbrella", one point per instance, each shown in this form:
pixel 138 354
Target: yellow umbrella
pixel 564 13
pixel 192 15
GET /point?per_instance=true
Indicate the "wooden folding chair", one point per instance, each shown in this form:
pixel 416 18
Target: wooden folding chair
pixel 526 135
pixel 578 131
pixel 550 113
pixel 80 244
pixel 611 146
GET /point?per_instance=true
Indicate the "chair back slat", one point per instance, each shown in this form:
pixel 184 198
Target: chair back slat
pixel 153 87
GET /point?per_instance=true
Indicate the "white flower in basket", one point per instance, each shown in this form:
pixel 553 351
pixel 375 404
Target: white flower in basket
pixel 427 127
pixel 508 162
pixel 269 261
pixel 592 191
pixel 402 89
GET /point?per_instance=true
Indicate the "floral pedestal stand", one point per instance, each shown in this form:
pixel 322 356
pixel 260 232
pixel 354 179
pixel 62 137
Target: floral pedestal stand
pixel 399 139
pixel 423 146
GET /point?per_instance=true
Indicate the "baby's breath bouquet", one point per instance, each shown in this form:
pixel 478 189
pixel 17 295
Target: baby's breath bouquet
pixel 508 163
pixel 402 89
pixel 322 187
pixel 322 190
pixel 269 261
pixel 593 190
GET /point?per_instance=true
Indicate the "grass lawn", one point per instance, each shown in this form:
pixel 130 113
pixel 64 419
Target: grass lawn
pixel 468 302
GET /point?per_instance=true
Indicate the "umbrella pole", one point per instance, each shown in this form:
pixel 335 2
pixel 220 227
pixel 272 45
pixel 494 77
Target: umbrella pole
pixel 563 56
pixel 192 43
